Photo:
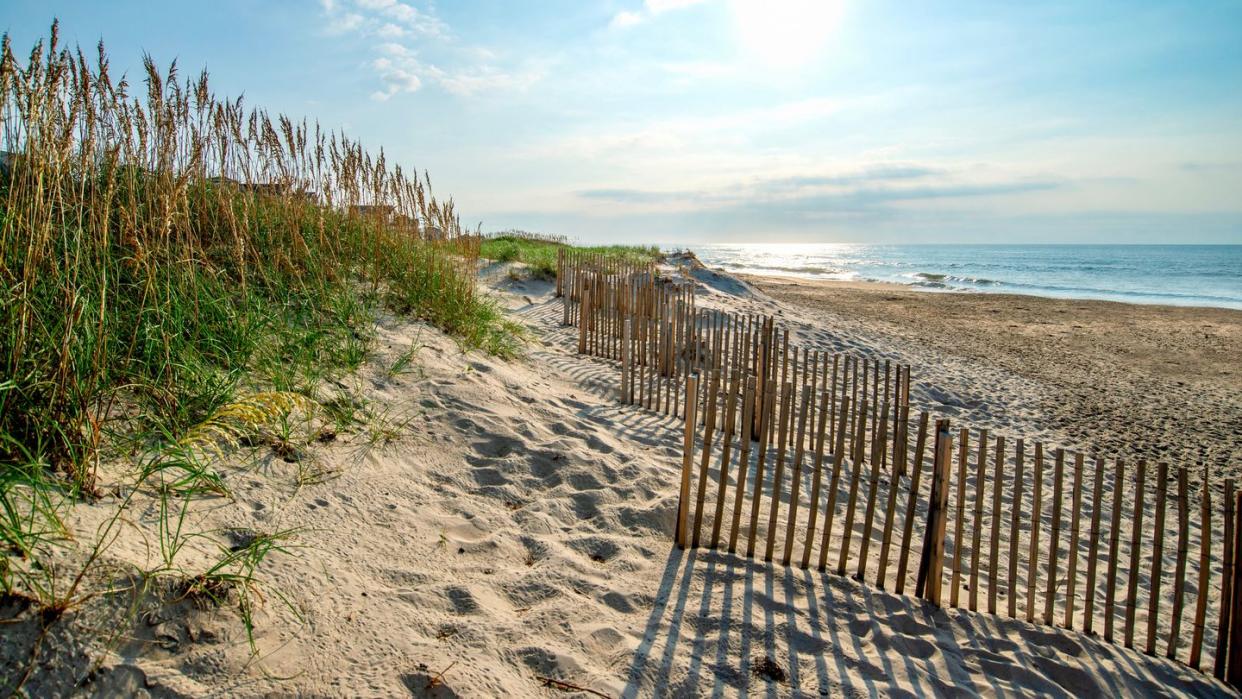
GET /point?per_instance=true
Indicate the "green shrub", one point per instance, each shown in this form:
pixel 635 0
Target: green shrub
pixel 539 252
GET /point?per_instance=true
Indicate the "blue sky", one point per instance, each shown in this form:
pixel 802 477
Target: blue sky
pixel 745 120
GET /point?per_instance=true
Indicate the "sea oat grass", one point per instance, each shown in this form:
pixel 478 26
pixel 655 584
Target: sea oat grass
pixel 162 249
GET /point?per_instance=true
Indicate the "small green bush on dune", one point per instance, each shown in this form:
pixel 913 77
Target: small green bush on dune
pixel 502 251
pixel 540 255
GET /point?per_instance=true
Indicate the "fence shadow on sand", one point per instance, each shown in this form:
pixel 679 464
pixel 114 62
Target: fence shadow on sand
pixel 719 618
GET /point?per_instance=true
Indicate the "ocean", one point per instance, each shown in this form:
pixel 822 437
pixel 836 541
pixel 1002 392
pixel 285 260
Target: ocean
pixel 1183 275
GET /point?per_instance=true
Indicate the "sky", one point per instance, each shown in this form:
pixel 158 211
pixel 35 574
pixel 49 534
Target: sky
pixel 684 121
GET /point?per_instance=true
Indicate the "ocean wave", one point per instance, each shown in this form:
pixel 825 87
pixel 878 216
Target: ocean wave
pixel 802 269
pixel 1181 275
pixel 976 281
pixel 953 278
pixel 1089 292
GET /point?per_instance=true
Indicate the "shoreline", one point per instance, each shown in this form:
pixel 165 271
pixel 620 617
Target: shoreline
pixel 876 285
pixel 1193 276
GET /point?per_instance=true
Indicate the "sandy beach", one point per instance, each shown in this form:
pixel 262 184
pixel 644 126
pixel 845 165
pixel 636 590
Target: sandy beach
pixel 1144 381
pixel 495 527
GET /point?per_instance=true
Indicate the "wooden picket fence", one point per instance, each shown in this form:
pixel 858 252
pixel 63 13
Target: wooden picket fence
pixel 653 327
pixel 1035 528
pixel 812 457
pixel 617 313
pixel 571 264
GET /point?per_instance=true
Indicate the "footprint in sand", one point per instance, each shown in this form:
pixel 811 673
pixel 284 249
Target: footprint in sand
pixel 584 481
pixel 1058 642
pixel 618 602
pixel 597 549
pixel 489 476
pixel 497 447
pixel 463 600
pixel 528 592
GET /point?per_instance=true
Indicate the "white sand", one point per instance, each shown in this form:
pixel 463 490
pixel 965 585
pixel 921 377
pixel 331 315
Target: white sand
pixel 519 525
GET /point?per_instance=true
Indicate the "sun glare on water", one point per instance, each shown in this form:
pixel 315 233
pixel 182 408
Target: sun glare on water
pixel 785 33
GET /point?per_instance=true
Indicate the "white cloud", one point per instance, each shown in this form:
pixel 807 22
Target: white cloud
pixel 390 31
pixel 666 133
pixel 867 189
pixel 625 18
pixel 345 22
pixel 470 70
pixel 410 16
pixel 399 70
pixel 484 79
pixel 656 7
pixel 394 49
pixel 651 9
pixel 402 71
pixel 397 77
pixel 708 149
pixel 699 70
pixel 381 18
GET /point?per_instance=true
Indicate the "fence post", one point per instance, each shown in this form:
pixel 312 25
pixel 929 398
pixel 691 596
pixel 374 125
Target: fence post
pixel 1205 572
pixel 627 373
pixel 584 311
pixel 1234 672
pixel 931 566
pixel 1226 586
pixel 560 272
pixel 687 460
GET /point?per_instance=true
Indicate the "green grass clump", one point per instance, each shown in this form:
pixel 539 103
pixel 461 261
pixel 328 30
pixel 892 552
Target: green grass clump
pixel 502 250
pixel 539 253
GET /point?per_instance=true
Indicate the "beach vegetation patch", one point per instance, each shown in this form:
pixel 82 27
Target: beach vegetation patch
pixel 539 253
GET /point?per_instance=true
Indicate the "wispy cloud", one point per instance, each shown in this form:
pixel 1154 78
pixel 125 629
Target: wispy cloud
pixel 659 6
pixel 390 31
pixel 343 22
pixel 659 137
pixel 649 10
pixel 665 124
pixel 1211 167
pixel 698 70
pixel 872 188
pixel 397 77
pixel 874 173
pixel 646 196
pixel 626 18
pixel 486 78
pixel 397 28
pixel 410 17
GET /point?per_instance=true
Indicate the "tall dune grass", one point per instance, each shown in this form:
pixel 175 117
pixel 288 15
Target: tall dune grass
pixel 161 247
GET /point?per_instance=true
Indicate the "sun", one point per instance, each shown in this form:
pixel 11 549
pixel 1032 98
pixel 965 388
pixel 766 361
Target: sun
pixel 785 34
